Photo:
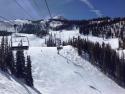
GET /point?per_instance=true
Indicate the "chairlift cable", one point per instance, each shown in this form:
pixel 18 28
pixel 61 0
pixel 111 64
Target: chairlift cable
pixel 38 7
pixel 6 19
pixel 26 12
pixel 59 44
pixel 48 8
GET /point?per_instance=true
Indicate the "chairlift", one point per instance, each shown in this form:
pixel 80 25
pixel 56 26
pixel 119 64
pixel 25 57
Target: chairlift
pixel 21 43
pixel 58 44
pixel 59 47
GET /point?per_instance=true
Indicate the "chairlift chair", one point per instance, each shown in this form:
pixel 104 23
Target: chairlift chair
pixel 59 46
pixel 19 43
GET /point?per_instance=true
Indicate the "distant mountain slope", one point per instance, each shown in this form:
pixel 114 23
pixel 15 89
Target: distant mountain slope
pixel 59 23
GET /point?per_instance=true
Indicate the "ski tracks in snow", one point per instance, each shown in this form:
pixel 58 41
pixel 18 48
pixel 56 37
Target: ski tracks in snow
pixel 78 73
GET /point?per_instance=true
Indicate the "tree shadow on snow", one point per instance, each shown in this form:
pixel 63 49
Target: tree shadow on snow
pixel 6 75
pixel 25 86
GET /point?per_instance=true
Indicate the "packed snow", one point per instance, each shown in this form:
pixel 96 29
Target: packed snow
pixel 68 73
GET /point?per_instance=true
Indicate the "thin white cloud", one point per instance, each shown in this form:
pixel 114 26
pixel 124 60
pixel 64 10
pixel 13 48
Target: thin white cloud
pixel 97 12
pixel 92 8
pixel 88 4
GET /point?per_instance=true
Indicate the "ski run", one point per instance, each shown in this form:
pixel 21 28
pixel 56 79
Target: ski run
pixel 64 73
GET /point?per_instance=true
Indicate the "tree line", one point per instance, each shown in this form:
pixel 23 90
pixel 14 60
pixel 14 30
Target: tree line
pixel 4 33
pixel 52 40
pixel 36 28
pixel 107 28
pixel 18 65
pixel 102 56
pixel 104 27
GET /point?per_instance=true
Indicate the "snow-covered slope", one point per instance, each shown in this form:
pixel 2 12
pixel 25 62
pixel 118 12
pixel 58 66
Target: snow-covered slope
pixel 10 85
pixel 68 73
pixel 8 25
pixel 56 23
pixel 5 26
pixel 59 17
pixel 66 35
pixel 21 22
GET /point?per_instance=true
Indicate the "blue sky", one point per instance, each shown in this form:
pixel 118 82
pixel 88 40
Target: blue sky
pixel 71 9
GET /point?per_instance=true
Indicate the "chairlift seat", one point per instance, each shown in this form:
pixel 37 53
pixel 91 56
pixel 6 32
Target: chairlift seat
pixel 21 43
pixel 20 48
pixel 59 48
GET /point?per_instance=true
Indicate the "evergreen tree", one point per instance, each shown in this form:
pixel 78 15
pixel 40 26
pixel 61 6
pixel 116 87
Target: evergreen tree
pixel 28 77
pixel 3 55
pixel 79 46
pixel 20 64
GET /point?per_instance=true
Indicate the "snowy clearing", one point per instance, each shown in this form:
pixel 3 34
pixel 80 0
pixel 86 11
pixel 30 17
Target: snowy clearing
pixel 66 35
